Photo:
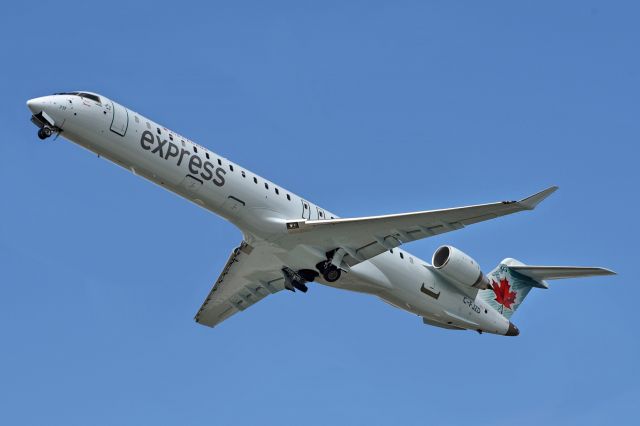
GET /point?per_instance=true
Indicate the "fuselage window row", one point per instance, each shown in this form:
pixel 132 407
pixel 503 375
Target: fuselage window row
pixel 208 156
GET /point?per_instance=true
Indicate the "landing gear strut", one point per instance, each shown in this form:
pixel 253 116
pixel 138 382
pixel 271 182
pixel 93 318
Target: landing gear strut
pixel 329 272
pixel 294 280
pixel 45 132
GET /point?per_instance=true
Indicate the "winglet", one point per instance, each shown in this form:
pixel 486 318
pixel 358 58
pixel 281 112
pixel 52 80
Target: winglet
pixel 531 202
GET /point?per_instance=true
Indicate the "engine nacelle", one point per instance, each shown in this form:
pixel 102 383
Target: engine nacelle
pixel 459 267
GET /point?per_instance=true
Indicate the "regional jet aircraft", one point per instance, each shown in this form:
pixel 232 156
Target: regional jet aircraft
pixel 289 241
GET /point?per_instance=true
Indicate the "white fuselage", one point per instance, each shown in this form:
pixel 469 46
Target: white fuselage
pixel 257 206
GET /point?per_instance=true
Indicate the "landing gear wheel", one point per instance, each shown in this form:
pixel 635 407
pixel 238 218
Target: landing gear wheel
pixel 329 272
pixel 332 274
pixel 45 132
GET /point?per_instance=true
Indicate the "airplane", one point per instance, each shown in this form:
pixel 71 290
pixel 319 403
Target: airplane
pixel 289 242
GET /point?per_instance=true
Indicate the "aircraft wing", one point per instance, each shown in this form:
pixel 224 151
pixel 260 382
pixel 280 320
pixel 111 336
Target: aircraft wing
pixel 358 239
pixel 251 274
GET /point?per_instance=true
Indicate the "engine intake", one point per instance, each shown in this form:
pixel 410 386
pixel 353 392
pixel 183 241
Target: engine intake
pixel 459 267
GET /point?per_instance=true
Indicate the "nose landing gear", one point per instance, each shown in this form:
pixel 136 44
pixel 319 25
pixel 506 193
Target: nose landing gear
pixel 45 132
pixel 46 125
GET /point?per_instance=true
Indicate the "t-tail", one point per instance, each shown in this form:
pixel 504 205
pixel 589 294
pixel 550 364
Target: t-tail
pixel 512 280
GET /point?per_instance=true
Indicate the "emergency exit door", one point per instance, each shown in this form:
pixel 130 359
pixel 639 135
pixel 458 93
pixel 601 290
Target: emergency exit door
pixel 306 210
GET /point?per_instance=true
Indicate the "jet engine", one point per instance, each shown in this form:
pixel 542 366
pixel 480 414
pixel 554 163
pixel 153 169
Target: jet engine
pixel 459 267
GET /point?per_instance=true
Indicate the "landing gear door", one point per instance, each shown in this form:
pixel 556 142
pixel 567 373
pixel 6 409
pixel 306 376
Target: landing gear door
pixel 120 120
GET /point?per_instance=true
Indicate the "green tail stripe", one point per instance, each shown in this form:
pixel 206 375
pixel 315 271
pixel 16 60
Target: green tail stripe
pixel 505 283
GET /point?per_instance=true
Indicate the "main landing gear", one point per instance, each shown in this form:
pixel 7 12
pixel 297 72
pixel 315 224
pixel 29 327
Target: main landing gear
pixel 45 132
pixel 296 280
pixel 329 272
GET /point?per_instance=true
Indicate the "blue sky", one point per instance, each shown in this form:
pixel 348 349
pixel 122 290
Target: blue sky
pixel 365 108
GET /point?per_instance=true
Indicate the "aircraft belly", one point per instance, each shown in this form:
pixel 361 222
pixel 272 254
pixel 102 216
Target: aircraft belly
pixel 419 291
pixel 364 277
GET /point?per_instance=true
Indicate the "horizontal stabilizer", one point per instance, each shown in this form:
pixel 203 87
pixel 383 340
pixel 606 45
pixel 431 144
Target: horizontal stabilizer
pixel 540 273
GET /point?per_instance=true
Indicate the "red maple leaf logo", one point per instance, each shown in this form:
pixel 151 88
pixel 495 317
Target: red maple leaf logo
pixel 504 295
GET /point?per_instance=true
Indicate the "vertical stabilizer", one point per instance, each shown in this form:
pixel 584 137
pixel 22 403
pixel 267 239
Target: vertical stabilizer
pixel 508 288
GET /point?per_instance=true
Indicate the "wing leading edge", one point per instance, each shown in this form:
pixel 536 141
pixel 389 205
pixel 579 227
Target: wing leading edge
pixel 250 275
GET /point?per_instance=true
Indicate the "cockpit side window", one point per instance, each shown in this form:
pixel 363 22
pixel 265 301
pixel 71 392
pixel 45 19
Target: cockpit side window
pixel 91 96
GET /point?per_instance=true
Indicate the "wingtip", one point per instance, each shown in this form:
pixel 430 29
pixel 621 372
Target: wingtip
pixel 532 201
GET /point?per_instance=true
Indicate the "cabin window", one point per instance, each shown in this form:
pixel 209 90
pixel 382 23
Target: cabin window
pixel 158 129
pixel 277 191
pixel 231 167
pixel 306 206
pixel 170 136
pixel 288 197
pixel 390 251
pixel 255 180
pixel 321 214
pixel 401 255
pixel 332 217
pixel 219 162
pixel 195 149
pixel 243 174
pixel 182 142
pixel 266 185
pixel 206 154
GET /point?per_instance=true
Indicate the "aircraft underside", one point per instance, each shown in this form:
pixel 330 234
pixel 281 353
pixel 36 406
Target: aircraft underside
pixel 291 242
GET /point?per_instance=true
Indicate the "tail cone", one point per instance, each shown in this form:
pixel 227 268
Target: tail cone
pixel 513 330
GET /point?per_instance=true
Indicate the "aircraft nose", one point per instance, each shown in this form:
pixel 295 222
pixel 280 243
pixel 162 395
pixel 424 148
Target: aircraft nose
pixel 36 105
pixel 513 330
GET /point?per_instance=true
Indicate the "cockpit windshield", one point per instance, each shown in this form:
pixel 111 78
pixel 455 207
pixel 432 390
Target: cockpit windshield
pixel 91 96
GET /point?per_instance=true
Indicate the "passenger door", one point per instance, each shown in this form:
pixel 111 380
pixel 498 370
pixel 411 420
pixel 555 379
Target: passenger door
pixel 120 120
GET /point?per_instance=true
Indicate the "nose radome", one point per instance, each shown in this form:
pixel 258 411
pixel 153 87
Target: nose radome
pixel 36 105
